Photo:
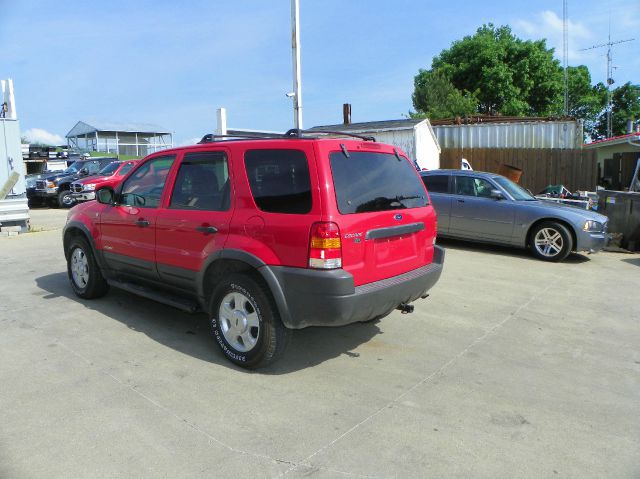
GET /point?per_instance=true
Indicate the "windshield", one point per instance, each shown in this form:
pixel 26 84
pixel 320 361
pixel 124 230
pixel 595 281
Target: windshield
pixel 109 169
pixel 367 182
pixel 517 191
pixel 73 168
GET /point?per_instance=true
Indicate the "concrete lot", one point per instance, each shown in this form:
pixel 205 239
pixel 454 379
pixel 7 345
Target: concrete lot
pixel 512 368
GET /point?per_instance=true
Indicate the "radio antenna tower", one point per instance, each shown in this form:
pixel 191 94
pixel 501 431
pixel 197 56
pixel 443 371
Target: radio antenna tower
pixel 610 81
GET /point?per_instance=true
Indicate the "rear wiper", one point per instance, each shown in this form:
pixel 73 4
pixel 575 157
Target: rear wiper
pixel 402 198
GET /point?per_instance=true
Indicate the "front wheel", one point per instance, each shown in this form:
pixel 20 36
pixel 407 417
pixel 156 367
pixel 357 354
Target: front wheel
pixel 83 271
pixel 551 241
pixel 245 322
pixel 65 200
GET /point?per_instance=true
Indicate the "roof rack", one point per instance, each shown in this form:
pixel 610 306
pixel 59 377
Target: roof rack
pixel 292 133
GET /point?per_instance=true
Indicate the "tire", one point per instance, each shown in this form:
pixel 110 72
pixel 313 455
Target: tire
pixel 550 241
pixel 245 322
pixel 84 274
pixel 65 200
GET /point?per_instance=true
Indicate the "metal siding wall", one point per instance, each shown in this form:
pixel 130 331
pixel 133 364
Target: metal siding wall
pixel 403 139
pixel 552 134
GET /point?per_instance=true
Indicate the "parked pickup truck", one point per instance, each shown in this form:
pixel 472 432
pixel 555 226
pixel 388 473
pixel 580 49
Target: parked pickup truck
pixel 110 175
pixel 55 188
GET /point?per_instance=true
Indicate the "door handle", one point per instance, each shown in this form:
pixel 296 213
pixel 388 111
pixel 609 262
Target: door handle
pixel 207 229
pixel 460 201
pixel 142 223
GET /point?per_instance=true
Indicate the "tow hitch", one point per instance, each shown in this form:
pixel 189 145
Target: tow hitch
pixel 405 308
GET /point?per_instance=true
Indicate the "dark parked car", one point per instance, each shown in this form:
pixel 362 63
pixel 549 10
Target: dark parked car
pixel 487 207
pixel 55 188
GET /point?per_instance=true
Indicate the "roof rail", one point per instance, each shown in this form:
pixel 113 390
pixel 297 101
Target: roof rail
pixel 341 133
pixel 292 133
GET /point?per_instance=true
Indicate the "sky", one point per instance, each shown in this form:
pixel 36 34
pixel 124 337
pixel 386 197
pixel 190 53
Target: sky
pixel 174 63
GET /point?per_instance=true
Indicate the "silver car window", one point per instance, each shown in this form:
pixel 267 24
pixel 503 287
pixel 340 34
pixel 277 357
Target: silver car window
pixel 470 186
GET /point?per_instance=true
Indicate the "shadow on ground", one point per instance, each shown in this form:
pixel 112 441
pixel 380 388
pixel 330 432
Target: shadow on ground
pixel 189 333
pixel 448 243
pixel 634 261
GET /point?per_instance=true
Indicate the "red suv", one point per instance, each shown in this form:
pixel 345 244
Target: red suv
pixel 264 235
pixel 110 175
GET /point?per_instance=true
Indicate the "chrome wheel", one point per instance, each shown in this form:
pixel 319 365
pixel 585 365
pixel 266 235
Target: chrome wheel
pixel 67 200
pixel 548 242
pixel 79 268
pixel 239 321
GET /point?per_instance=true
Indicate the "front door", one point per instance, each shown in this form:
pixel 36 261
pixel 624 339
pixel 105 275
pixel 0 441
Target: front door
pixel 128 229
pixel 195 223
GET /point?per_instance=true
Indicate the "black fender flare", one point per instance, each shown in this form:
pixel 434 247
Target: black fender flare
pixel 256 264
pixel 97 254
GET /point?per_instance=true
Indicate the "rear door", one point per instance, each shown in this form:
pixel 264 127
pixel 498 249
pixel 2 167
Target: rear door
pixel 437 185
pixel 386 222
pixel 195 223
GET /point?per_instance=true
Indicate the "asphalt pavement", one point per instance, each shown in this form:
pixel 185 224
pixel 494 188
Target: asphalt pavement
pixel 511 368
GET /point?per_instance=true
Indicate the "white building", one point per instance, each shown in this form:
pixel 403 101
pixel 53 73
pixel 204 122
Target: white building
pixel 132 139
pixel 413 136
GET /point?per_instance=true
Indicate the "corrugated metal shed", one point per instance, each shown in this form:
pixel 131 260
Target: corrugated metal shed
pixel 560 134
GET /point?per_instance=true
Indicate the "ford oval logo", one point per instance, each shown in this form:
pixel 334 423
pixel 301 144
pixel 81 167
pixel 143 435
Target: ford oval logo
pixel 397 217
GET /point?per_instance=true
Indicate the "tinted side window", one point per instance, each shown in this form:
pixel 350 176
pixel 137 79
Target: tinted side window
pixel 436 183
pixel 93 167
pixel 279 180
pixel 469 186
pixel 202 182
pixel 144 187
pixel 126 169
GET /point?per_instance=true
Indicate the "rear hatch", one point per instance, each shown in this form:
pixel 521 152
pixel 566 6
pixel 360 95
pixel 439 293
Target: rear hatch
pixel 386 223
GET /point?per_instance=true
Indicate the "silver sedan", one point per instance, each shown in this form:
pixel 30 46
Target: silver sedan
pixel 490 208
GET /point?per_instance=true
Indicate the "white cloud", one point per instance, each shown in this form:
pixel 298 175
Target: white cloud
pixel 548 25
pixel 38 135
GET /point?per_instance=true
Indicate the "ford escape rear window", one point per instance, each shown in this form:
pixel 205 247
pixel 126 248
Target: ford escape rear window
pixel 279 180
pixel 367 181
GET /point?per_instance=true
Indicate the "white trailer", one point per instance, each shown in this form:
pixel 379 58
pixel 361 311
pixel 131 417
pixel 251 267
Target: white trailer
pixel 14 209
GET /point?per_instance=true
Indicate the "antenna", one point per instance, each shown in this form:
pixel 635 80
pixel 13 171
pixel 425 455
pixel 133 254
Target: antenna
pixel 565 54
pixel 610 81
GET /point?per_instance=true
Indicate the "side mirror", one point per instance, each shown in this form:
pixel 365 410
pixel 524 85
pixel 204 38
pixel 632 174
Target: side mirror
pixel 106 196
pixel 84 171
pixel 497 195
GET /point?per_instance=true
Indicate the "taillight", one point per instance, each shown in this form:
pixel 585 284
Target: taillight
pixel 325 248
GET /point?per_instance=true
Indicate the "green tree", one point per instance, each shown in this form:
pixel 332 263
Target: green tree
pixel 506 75
pixel 436 97
pixel 625 105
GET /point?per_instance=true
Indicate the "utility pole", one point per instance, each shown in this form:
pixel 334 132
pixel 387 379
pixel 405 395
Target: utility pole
pixel 297 81
pixel 610 81
pixel 565 54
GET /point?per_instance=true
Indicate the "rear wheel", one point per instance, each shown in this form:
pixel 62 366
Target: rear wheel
pixel 83 271
pixel 245 322
pixel 551 241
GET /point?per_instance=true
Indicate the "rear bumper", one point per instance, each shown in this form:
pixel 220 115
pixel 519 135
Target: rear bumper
pixel 329 298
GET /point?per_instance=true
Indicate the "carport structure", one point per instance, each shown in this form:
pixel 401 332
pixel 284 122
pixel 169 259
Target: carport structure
pixel 135 139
